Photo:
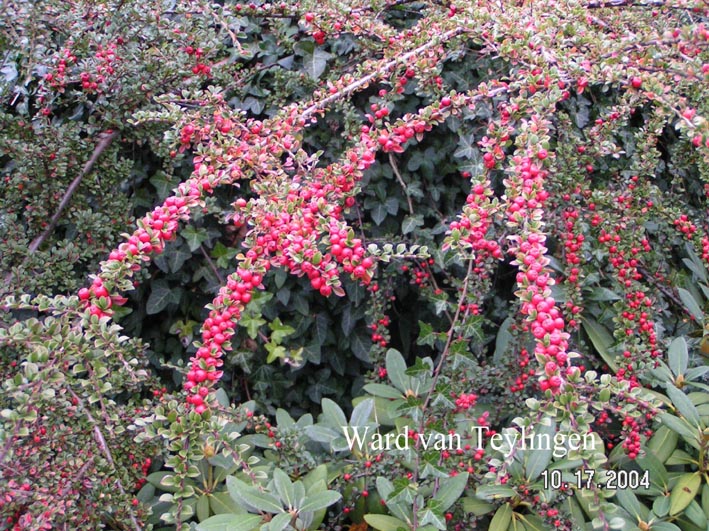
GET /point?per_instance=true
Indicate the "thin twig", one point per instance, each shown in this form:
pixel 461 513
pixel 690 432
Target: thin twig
pixel 101 441
pixel 364 81
pixel 214 269
pixel 395 168
pixel 104 142
pixel 449 340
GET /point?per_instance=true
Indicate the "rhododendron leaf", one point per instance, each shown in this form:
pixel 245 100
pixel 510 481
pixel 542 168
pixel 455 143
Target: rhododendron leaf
pixel 691 304
pixel 683 405
pixel 450 490
pixel 663 443
pixel 502 518
pixel 684 492
pixel 601 339
pixel 382 522
pixel 678 355
pixel 230 522
pixel 320 500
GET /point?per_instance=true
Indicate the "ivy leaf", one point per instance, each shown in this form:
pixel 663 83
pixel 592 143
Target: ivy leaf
pixel 348 322
pixel 466 147
pixel 426 335
pixel 274 352
pixel 176 258
pixel 360 345
pixel 252 324
pixel 379 213
pixel 315 63
pixel 194 236
pixel 410 223
pixel 322 327
pixel 163 185
pixel 160 296
pixel 279 331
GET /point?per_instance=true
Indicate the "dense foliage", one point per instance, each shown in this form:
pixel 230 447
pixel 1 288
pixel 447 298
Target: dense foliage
pixel 454 229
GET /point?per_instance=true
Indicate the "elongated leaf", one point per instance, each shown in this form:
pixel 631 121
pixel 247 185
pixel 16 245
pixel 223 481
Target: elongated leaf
pixel 284 487
pixel 683 404
pixel 250 497
pixel 320 500
pixel 361 413
pixel 221 503
pixel 691 304
pixel 630 503
pixel 503 340
pixel 384 391
pixel 396 370
pixel 382 522
pixel 681 427
pixel 279 522
pixel 684 492
pixel 602 340
pixel 663 443
pixel 333 414
pixel 678 356
pixel 539 459
pixel 450 490
pixel 494 492
pixel 502 518
pixel 230 522
pixel 476 506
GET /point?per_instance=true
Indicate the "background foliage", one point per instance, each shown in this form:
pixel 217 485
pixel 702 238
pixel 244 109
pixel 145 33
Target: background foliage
pixel 489 137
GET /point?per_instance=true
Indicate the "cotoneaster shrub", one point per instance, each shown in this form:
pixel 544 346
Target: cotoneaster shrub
pixel 512 195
